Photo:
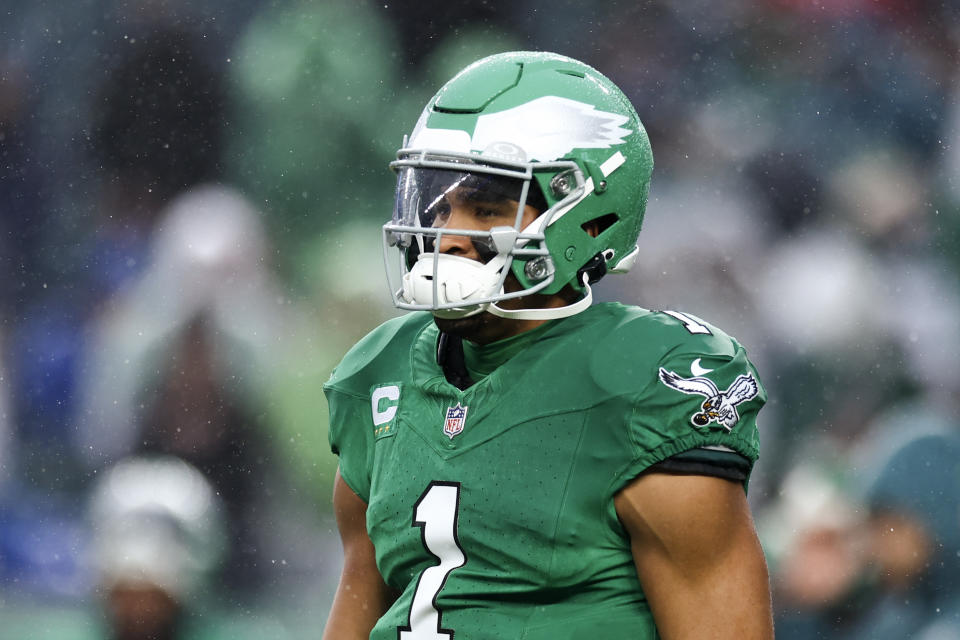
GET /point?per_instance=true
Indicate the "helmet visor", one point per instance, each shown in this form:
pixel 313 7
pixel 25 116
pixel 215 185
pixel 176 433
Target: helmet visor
pixel 442 198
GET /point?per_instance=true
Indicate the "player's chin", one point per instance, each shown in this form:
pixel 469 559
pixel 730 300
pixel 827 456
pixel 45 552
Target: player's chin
pixel 467 327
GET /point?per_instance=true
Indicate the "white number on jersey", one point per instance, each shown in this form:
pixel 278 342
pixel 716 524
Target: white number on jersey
pixel 436 514
pixel 689 323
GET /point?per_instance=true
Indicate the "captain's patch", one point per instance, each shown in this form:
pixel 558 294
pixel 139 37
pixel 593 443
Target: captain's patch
pixel 384 400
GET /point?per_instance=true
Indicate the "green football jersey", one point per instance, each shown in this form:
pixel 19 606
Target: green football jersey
pixel 491 509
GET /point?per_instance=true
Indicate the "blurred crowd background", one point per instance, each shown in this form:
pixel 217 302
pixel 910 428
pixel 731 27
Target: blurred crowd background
pixel 190 196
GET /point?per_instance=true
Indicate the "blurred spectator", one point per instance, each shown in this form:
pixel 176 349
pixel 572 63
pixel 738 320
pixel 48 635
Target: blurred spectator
pixel 915 530
pixel 155 132
pixel 161 252
pixel 890 570
pixel 157 534
pixel 182 361
pixel 194 352
pixel 206 260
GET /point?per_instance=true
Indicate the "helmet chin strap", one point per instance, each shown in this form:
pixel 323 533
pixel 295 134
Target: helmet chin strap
pixel 547 313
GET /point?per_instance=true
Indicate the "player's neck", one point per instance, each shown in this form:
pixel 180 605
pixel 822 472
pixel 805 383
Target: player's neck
pixel 485 328
pixel 482 360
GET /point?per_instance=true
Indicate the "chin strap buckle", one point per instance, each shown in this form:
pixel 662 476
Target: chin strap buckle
pixel 595 269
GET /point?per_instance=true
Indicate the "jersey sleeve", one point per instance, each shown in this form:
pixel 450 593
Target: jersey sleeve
pixel 361 405
pixel 351 435
pixel 704 396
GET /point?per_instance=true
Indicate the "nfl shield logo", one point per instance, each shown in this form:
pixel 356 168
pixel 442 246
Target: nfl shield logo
pixel 454 421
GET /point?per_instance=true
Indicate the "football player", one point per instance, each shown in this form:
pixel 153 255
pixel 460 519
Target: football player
pixel 514 460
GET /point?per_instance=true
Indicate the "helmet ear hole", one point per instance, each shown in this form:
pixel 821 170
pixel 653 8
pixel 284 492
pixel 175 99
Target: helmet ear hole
pixel 597 226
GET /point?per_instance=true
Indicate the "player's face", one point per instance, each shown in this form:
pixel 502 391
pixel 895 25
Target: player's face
pixel 470 210
pixel 460 201
pixel 473 210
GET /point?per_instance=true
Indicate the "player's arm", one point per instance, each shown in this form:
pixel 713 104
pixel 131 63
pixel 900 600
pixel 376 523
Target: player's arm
pixel 362 596
pixel 697 556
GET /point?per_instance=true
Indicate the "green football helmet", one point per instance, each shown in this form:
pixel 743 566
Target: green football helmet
pixel 528 128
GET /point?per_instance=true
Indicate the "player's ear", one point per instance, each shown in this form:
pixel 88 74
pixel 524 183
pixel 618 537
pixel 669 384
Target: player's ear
pixel 592 228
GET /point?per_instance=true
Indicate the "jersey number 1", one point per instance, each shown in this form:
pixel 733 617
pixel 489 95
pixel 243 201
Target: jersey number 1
pixel 689 323
pixel 436 514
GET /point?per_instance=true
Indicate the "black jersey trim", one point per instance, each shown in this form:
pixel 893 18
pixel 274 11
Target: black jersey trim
pixel 706 462
pixel 451 359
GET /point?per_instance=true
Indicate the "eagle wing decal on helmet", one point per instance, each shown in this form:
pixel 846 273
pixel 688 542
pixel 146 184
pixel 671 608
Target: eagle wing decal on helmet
pixel 550 127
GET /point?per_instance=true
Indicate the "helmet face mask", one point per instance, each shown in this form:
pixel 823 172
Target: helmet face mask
pixel 453 286
pixel 509 131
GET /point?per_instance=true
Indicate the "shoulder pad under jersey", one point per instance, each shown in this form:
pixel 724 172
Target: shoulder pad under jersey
pixel 378 354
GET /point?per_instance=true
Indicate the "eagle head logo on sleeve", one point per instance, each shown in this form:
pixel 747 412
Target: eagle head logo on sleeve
pixel 719 406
